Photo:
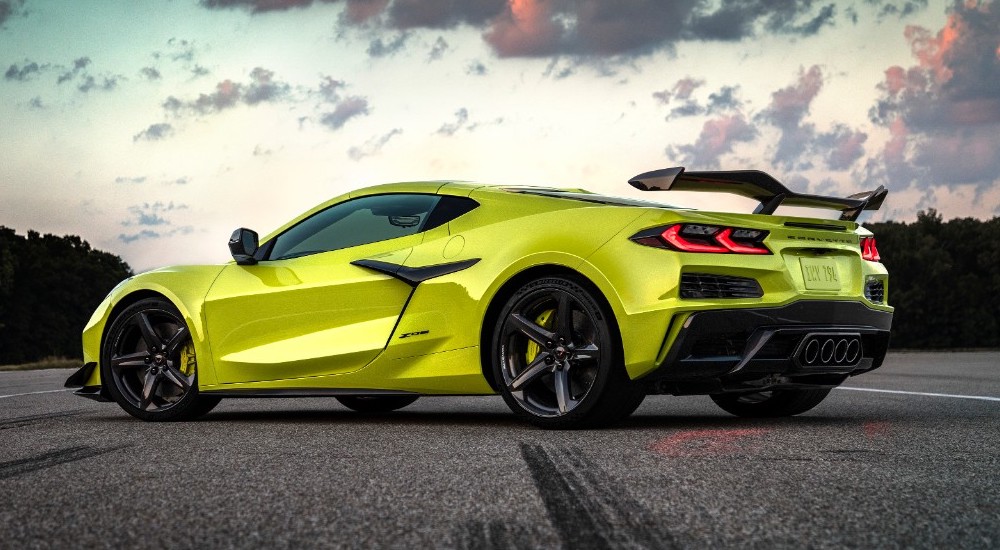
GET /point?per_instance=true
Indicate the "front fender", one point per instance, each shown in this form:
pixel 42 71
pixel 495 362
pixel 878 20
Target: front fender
pixel 185 287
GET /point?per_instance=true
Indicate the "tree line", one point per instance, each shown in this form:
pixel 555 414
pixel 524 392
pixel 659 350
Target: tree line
pixel 944 280
pixel 49 286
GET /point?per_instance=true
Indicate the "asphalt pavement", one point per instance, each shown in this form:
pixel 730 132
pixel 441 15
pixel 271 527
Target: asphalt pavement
pixel 915 464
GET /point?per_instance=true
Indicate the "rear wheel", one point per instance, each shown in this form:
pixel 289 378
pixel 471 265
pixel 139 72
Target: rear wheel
pixel 376 403
pixel 149 366
pixel 556 359
pixel 770 403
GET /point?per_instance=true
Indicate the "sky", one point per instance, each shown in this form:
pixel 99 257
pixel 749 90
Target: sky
pixel 154 128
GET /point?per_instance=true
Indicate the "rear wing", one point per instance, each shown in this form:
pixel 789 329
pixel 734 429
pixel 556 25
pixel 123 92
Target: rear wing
pixel 756 185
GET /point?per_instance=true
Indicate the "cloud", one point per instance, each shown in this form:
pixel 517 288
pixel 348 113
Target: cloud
pixel 438 49
pixel 840 147
pixel 155 132
pixel 346 110
pixel 943 113
pixel 900 10
pixel 528 28
pixel 24 72
pixel 476 68
pixel 577 28
pixel 153 215
pixel 387 48
pixel 681 89
pixel 461 118
pixel 261 88
pixel 329 89
pixel 718 136
pixel 734 21
pixel 150 73
pixel 361 11
pixel 788 108
pixel 179 51
pixel 79 64
pixel 106 83
pixel 723 100
pixel 260 6
pixel 36 103
pixel 442 14
pixel 372 146
pixel 9 8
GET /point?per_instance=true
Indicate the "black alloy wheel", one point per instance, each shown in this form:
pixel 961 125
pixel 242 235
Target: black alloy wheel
pixel 770 403
pixel 376 403
pixel 557 360
pixel 149 366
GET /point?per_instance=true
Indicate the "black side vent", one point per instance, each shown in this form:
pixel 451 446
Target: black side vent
pixel 704 285
pixel 875 291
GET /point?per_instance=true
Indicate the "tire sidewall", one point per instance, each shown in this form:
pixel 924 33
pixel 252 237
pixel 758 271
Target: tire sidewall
pixel 608 362
pixel 179 409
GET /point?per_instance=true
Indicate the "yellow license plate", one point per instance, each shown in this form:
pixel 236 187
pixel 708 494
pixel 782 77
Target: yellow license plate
pixel 820 273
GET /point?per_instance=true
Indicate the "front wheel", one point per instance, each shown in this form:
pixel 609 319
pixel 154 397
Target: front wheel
pixel 556 359
pixel 772 403
pixel 149 366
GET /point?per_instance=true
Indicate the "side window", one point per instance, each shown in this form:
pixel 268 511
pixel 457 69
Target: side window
pixel 355 222
pixel 449 208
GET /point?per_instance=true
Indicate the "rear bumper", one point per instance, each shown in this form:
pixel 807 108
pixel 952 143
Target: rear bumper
pixel 737 349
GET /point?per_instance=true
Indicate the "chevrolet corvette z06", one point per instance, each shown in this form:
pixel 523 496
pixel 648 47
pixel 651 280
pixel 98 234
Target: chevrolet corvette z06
pixel 573 306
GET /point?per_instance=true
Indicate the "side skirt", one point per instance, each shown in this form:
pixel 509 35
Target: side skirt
pixel 306 392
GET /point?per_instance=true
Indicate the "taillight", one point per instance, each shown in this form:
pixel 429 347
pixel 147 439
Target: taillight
pixel 868 249
pixel 686 237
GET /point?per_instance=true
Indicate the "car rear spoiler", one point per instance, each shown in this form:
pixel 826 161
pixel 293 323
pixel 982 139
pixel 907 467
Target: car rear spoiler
pixel 756 185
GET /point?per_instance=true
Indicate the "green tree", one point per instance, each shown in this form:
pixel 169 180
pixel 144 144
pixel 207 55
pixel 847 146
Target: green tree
pixel 50 286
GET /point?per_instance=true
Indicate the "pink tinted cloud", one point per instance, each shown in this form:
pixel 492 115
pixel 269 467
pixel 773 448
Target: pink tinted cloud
pixel 526 28
pixel 360 11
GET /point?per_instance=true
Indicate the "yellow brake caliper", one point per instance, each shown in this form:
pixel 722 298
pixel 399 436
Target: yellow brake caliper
pixel 545 321
pixel 187 359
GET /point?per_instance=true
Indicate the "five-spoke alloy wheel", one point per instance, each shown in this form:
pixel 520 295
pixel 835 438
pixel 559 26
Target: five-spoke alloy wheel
pixel 149 366
pixel 556 359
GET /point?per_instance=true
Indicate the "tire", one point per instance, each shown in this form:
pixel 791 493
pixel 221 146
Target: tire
pixel 149 366
pixel 770 404
pixel 558 361
pixel 376 403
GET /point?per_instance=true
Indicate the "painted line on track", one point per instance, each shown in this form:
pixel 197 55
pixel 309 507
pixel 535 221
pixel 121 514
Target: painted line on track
pixel 925 394
pixel 34 393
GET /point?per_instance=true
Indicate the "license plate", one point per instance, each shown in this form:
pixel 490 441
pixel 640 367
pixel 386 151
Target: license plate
pixel 820 273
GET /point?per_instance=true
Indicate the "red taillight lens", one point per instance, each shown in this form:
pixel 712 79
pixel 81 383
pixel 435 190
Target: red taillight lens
pixel 704 238
pixel 673 237
pixel 868 249
pixel 725 237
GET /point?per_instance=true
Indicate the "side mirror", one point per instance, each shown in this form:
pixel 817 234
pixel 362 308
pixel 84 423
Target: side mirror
pixel 243 245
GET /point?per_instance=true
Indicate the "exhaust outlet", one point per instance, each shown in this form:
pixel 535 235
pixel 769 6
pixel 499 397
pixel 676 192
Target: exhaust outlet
pixel 829 350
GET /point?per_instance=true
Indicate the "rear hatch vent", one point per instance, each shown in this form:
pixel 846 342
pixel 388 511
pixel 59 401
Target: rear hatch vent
pixel 821 226
pixel 705 285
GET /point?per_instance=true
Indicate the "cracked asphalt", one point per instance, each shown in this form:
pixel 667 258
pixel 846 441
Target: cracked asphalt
pixel 864 469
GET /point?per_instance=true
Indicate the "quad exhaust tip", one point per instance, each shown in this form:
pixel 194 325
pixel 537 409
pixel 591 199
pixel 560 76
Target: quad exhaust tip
pixel 830 350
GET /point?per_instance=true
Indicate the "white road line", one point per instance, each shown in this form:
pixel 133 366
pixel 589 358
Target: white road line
pixel 34 393
pixel 978 397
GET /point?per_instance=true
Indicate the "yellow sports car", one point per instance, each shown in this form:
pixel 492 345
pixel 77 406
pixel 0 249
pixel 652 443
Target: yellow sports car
pixel 572 305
